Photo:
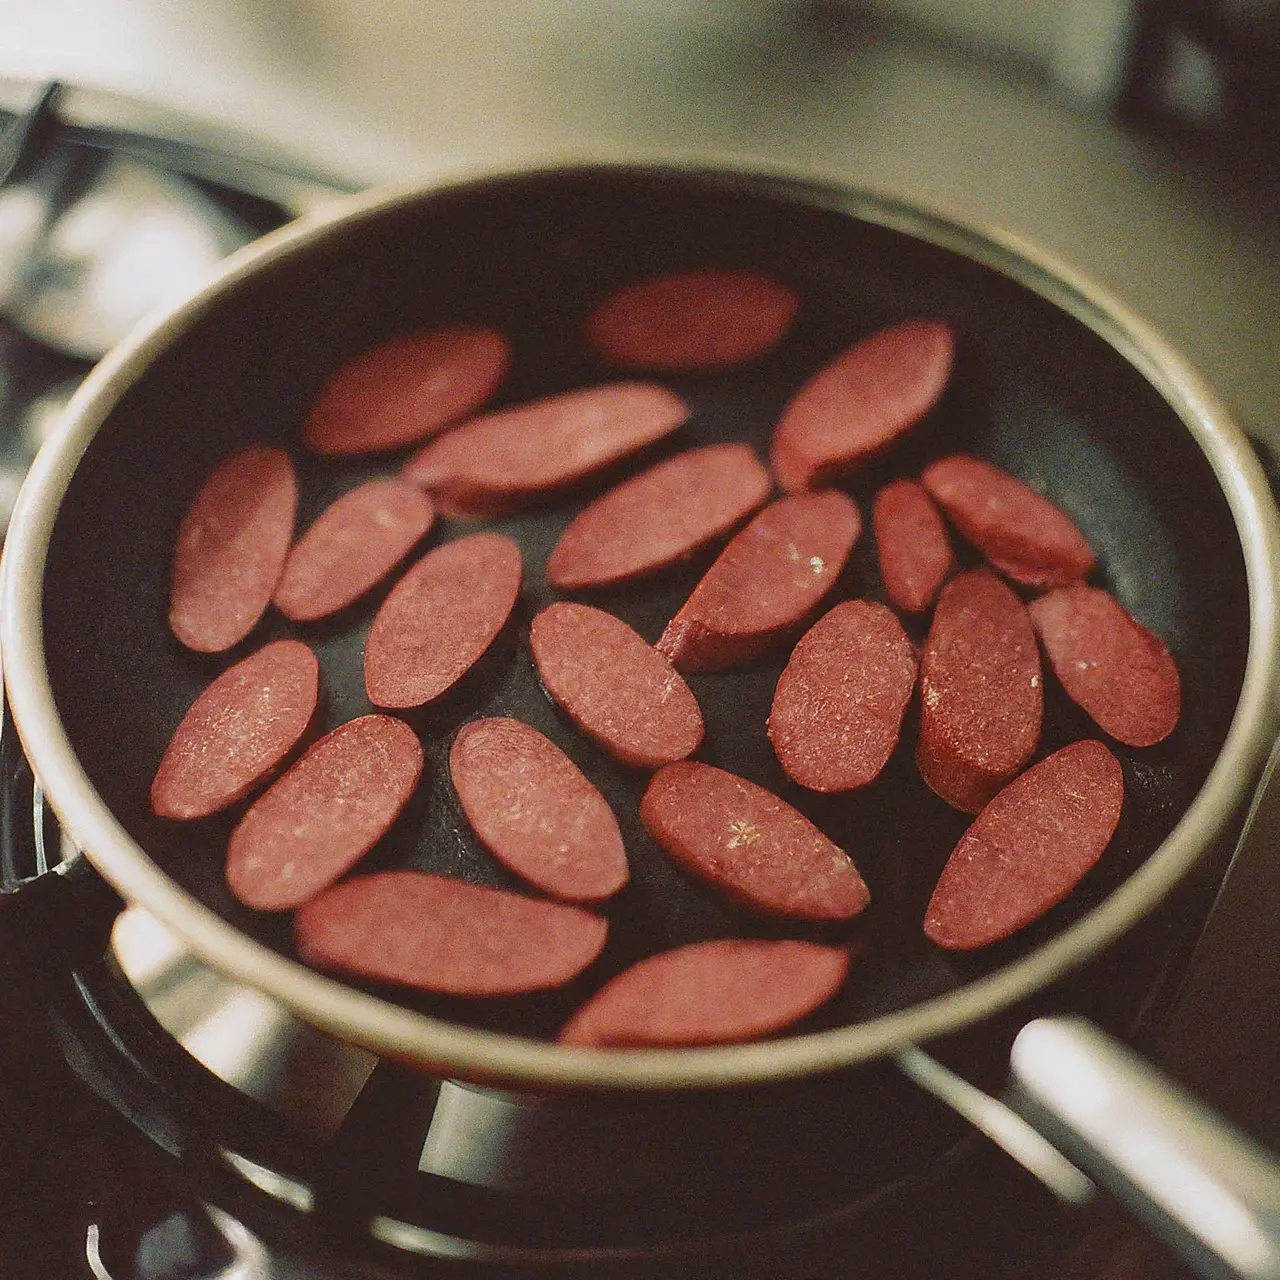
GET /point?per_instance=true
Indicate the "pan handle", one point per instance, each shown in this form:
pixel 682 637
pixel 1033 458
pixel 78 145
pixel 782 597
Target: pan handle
pixel 1208 1190
pixel 1014 1135
pixel 1083 1108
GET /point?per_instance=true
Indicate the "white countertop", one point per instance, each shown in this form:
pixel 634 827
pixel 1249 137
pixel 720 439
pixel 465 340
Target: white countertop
pixel 399 90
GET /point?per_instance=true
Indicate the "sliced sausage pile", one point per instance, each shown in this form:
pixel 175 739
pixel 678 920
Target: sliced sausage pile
pixel 312 804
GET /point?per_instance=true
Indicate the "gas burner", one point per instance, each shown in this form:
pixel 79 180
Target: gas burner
pixel 442 1169
pixel 385 1171
pixel 270 1139
pixel 255 1145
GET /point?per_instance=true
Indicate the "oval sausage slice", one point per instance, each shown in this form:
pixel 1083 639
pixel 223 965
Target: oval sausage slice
pixel 659 517
pixel 1022 534
pixel 351 547
pixel 727 990
pixel 440 618
pixel 406 389
pixel 911 544
pixel 1109 664
pixel 765 582
pixel 750 844
pixel 322 816
pixel 499 460
pixel 1028 848
pixel 617 689
pixel 232 545
pixel 861 402
pixel 536 812
pixel 421 930
pixel 981 692
pixel 692 320
pixel 237 731
pixel 838 706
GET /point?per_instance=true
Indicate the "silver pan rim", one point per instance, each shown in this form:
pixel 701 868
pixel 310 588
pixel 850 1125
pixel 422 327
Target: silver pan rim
pixel 445 1048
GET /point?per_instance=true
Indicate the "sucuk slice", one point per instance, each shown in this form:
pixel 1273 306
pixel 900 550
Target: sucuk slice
pixel 981 692
pixel 536 812
pixel 1028 848
pixel 237 731
pixel 231 547
pixel 911 544
pixel 694 321
pixel 659 517
pixel 1021 534
pixel 322 816
pixel 765 582
pixel 861 402
pixel 719 992
pixel 1109 664
pixel 406 389
pixel 838 705
pixel 351 547
pixel 421 930
pixel 440 618
pixel 750 844
pixel 498 461
pixel 617 689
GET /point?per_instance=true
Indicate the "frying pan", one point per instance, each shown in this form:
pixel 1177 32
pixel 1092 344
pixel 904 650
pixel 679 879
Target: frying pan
pixel 1053 382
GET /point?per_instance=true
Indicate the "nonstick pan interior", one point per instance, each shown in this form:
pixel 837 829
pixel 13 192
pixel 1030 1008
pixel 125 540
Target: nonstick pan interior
pixel 1034 391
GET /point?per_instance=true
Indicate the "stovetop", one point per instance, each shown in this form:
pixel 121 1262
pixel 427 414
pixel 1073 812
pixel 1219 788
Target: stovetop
pixel 138 1143
pixel 125 1156
pixel 122 1160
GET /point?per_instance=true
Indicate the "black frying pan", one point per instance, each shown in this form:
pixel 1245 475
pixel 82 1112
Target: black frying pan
pixel 1045 386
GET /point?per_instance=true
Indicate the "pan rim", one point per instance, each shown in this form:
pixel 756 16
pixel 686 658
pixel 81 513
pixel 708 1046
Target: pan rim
pixel 484 1056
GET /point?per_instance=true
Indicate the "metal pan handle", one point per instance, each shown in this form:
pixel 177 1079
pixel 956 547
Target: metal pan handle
pixel 1083 1108
pixel 1205 1188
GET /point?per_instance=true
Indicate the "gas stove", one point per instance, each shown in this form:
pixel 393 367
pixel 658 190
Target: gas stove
pixel 246 1145
pixel 157 1120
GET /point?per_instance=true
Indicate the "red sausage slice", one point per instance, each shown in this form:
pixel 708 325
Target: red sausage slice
pixel 616 688
pixel 751 845
pixel 1028 848
pixel 351 547
pixel 231 547
pixel 321 817
pixel 981 693
pixel 837 709
pixel 692 320
pixel 765 582
pixel 237 731
pixel 718 992
pixel 659 517
pixel 861 403
pixel 514 455
pixel 1022 534
pixel 535 811
pixel 497 460
pixel 912 545
pixel 406 389
pixel 1109 664
pixel 439 618
pixel 426 931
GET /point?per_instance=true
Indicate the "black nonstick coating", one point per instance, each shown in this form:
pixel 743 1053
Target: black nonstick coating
pixel 1034 391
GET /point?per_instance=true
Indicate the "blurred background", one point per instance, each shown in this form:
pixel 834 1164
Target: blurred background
pixel 1137 139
